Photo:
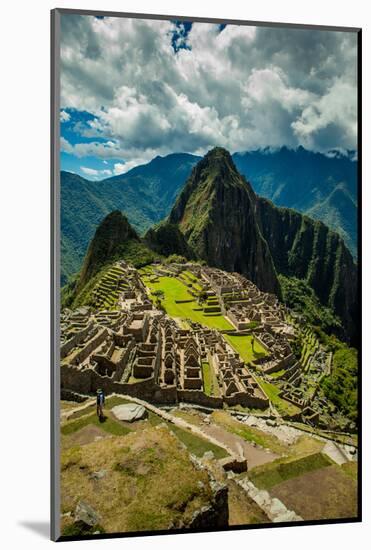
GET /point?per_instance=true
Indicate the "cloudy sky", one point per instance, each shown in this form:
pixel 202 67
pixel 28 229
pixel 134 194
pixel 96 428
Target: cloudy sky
pixel 133 89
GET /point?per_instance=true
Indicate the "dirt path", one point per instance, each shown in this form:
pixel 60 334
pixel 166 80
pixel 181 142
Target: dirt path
pixel 255 456
pixel 85 435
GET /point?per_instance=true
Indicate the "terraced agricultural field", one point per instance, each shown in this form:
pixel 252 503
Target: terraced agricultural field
pixel 243 345
pixel 272 391
pixel 175 290
pixel 295 479
pixel 337 497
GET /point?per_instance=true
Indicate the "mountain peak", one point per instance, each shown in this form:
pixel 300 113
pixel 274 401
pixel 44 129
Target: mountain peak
pixel 218 153
pixel 109 238
pixel 216 214
pixel 219 157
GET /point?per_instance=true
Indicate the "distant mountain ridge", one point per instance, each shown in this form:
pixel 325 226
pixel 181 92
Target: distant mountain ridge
pixel 145 195
pixel 324 187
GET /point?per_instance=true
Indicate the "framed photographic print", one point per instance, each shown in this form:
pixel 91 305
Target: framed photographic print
pixel 206 245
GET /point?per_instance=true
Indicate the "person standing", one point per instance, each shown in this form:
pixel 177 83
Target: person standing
pixel 100 403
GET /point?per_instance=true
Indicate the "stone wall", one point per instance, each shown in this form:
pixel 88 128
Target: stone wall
pixel 199 398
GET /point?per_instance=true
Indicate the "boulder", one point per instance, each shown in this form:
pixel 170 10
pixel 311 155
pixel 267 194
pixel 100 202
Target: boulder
pixel 209 455
pixel 99 474
pixel 86 514
pixel 129 412
pixel 234 464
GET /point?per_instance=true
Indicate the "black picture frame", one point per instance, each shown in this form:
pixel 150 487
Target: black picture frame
pixel 55 263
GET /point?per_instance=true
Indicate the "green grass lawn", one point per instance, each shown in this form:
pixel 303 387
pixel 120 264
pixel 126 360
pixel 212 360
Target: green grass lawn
pixel 274 473
pixel 242 344
pixel 272 391
pixel 176 290
pixel 211 386
pixel 111 426
pixel 277 374
pixel 248 433
pixel 197 445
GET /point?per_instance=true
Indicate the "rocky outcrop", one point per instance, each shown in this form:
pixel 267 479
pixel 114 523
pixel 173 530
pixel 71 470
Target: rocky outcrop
pixel 216 514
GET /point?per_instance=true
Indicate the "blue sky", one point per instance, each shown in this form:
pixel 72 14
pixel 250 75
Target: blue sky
pixel 133 89
pixel 74 126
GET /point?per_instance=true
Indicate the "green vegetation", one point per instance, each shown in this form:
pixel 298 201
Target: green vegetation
pixel 254 435
pixel 145 195
pixel 272 391
pixel 109 425
pixel 341 386
pixel 274 473
pixel 167 239
pixel 174 291
pixel 197 445
pixel 114 240
pixel 81 529
pixel 277 374
pixel 301 298
pixel 211 386
pixel 175 259
pixel 109 404
pixel 350 469
pixel 150 481
pixel 247 346
pixel 108 244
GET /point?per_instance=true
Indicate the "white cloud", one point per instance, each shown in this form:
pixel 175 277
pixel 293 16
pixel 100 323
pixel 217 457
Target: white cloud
pixel 242 88
pixel 122 168
pixel 64 116
pixel 267 85
pixel 108 149
pixel 95 173
pixel 334 111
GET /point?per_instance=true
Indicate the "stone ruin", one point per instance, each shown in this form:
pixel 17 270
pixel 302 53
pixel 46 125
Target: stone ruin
pixel 139 350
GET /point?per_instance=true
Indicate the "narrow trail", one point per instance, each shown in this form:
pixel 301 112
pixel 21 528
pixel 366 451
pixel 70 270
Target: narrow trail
pixel 254 455
pixel 235 446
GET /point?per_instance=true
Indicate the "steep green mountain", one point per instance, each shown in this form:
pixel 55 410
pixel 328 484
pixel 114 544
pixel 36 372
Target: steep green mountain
pixel 107 245
pixel 113 240
pixel 215 212
pixel 324 186
pixel 229 226
pixel 307 249
pixel 145 195
pixel 299 296
pixel 339 211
